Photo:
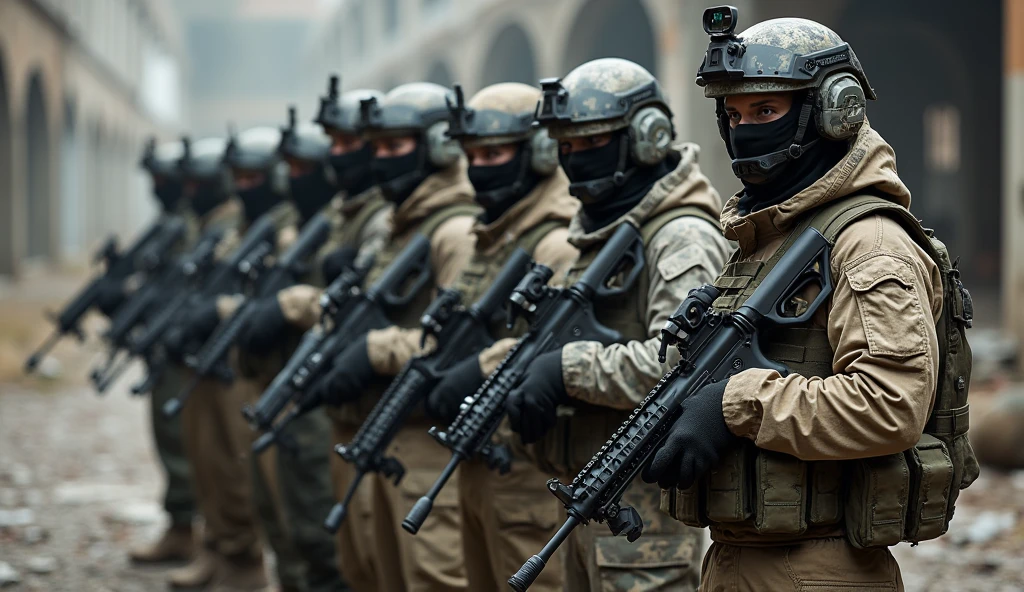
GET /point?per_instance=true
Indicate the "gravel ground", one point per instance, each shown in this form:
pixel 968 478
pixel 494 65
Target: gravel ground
pixel 79 483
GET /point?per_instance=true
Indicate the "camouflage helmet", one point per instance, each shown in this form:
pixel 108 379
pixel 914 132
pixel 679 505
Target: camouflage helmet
pixel 781 54
pixel 203 159
pixel 341 111
pixel 503 114
pixel 304 141
pixel 254 149
pixel 417 109
pixel 164 158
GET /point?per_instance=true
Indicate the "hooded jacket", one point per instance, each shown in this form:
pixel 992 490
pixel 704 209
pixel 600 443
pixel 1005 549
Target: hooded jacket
pixel 880 323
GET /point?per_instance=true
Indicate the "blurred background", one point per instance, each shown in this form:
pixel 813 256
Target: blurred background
pixel 83 84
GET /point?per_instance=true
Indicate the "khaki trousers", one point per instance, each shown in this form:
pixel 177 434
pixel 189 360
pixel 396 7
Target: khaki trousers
pixel 505 520
pixel 663 559
pixel 816 565
pixel 217 441
pixel 430 561
pixel 356 537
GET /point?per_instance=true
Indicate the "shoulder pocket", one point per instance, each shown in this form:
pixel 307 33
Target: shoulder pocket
pixel 890 306
pixel 676 264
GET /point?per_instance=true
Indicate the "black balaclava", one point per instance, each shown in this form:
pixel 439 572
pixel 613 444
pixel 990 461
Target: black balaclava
pixel 258 200
pixel 753 140
pixel 613 199
pixel 354 171
pixel 311 192
pixel 208 195
pixel 499 187
pixel 399 176
pixel 168 192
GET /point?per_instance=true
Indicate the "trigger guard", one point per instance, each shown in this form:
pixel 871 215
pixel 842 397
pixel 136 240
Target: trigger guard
pixel 809 276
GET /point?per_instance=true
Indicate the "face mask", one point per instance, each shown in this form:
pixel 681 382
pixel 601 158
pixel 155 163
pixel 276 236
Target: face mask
pixel 206 197
pixel 311 192
pixel 399 176
pixel 258 200
pixel 499 187
pixel 749 141
pixel 354 171
pixel 595 173
pixel 168 193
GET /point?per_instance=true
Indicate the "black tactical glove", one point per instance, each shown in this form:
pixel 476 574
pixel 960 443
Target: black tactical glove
pixel 265 329
pixel 174 343
pixel 336 262
pixel 460 381
pixel 110 296
pixel 531 406
pixel 348 377
pixel 201 321
pixel 695 441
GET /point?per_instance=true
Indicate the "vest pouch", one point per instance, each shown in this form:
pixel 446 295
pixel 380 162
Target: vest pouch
pixel 876 500
pixel 826 477
pixel 780 495
pixel 685 505
pixel 551 453
pixel 727 485
pixel 931 478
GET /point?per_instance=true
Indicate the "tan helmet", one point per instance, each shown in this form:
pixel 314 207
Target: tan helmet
pixel 607 95
pixel 417 109
pixel 503 114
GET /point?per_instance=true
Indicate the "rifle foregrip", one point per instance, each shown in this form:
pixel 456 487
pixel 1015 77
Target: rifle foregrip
pixel 418 515
pixel 527 574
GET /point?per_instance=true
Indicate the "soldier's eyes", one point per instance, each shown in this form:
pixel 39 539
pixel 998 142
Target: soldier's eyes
pixel 767 111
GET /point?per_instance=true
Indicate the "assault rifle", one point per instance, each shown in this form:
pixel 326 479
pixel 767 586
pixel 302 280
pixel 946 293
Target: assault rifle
pixel 263 279
pixel 714 345
pixel 348 313
pixel 460 333
pixel 557 316
pixel 117 267
pixel 137 313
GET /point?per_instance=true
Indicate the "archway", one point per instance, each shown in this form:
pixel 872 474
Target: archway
pixel 438 73
pixel 611 28
pixel 941 117
pixel 71 183
pixel 37 149
pixel 510 59
pixel 7 263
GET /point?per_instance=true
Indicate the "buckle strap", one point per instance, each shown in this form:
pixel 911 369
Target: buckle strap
pixel 949 422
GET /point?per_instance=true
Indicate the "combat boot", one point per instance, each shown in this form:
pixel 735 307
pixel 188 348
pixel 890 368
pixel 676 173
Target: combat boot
pixel 239 573
pixel 176 544
pixel 197 574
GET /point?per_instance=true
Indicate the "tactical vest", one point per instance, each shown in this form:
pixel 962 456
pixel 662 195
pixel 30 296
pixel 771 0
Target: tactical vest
pixel 482 269
pixel 409 316
pixel 583 428
pixel 761 496
pixel 347 232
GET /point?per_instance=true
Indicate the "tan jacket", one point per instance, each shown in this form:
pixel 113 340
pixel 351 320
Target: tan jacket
pixel 450 247
pixel 300 304
pixel 880 323
pixel 682 255
pixel 550 200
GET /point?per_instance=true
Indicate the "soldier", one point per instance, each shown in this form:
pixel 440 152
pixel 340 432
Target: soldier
pixel 164 165
pixel 615 136
pixel 863 372
pixel 217 438
pixel 360 227
pixel 293 504
pixel 514 170
pixel 423 173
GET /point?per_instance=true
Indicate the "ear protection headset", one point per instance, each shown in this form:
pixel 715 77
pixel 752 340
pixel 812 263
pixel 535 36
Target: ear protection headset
pixel 442 151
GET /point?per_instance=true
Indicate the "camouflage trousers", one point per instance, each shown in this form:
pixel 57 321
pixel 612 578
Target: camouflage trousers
pixel 816 564
pixel 217 442
pixel 179 502
pixel 506 519
pixel 664 559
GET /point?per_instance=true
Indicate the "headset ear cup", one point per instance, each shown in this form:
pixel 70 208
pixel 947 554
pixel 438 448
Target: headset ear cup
pixel 279 177
pixel 543 153
pixel 442 151
pixel 650 133
pixel 840 107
